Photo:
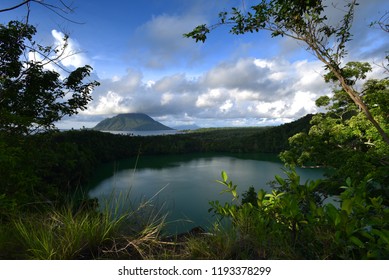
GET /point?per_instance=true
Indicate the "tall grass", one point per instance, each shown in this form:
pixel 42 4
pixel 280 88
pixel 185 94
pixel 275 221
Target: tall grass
pixel 62 234
pixel 89 233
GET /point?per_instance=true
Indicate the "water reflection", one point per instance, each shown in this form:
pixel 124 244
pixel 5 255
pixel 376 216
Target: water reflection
pixel 188 182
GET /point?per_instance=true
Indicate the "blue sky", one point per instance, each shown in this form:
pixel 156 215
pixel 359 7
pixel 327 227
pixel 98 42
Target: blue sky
pixel 144 64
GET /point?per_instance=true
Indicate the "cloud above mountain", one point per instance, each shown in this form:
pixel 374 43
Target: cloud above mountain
pixel 248 89
pixel 251 79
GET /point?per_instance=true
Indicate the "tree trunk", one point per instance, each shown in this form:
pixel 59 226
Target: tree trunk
pixel 352 93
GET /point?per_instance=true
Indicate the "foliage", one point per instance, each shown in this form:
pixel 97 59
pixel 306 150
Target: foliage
pixel 343 138
pixel 292 222
pixel 31 96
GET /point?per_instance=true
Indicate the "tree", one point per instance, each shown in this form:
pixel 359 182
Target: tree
pixel 32 97
pixel 305 22
pixel 342 138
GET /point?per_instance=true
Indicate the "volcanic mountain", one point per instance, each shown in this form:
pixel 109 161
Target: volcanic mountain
pixel 130 122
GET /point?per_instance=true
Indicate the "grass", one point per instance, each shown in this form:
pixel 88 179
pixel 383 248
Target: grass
pixel 115 232
pixel 89 233
pixel 62 234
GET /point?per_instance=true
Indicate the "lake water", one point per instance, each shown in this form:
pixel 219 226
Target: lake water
pixel 183 185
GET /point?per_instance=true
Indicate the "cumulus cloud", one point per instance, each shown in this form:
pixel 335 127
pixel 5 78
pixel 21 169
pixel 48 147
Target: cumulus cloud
pixel 246 91
pixel 241 74
pixel 68 55
pixel 72 55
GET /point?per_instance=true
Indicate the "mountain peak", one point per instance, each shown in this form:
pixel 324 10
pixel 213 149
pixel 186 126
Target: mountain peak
pixel 130 122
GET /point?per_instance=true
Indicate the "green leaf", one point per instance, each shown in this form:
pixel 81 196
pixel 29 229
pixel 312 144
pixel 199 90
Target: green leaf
pixel 235 195
pixel 347 205
pixel 221 182
pixel 383 234
pixel 331 212
pixel 261 194
pixel 357 241
pixel 224 176
pixel 348 182
pixel 280 180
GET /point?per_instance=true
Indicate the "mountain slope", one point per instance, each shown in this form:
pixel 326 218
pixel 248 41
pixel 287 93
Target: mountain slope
pixel 275 139
pixel 130 122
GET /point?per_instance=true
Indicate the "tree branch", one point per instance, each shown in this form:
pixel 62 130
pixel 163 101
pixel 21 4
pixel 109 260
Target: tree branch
pixel 15 7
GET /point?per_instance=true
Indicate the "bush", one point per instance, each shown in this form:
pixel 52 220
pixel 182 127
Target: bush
pixel 292 222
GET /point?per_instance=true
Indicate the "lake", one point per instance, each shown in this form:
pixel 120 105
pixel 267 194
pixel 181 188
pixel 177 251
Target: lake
pixel 183 185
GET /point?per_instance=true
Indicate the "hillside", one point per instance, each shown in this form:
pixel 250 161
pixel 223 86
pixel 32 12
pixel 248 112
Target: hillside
pixel 275 139
pixel 130 122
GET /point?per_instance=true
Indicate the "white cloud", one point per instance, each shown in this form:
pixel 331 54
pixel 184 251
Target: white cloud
pixel 247 91
pixel 243 74
pixel 270 109
pixel 303 101
pixel 66 56
pixel 107 105
pixel 210 99
pixel 226 107
pixel 72 53
pixel 166 98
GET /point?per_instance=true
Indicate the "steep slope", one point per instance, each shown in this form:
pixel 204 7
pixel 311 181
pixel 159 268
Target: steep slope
pixel 130 122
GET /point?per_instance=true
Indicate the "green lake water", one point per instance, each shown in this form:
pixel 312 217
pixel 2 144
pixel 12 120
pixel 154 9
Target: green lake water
pixel 183 185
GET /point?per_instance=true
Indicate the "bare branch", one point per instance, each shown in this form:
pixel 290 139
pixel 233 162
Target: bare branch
pixel 60 10
pixel 15 7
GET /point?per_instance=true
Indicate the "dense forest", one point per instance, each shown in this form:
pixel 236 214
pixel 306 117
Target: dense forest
pixel 42 168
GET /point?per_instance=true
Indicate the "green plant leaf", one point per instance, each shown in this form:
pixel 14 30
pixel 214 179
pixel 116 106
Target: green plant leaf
pixel 383 234
pixel 357 241
pixel 280 180
pixel 347 205
pixel 224 176
pixel 348 182
pixel 234 194
pixel 223 183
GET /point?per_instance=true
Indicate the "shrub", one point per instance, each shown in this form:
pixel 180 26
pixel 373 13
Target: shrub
pixel 292 222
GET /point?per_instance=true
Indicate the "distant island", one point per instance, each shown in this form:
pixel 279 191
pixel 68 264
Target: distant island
pixel 130 122
pixel 187 127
